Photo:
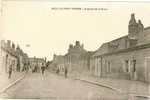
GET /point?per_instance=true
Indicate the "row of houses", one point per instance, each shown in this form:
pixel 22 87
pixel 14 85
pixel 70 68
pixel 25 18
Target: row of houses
pixel 11 54
pixel 127 57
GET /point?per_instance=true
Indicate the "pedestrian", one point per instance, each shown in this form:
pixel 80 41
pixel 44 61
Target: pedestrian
pixel 27 68
pixel 35 68
pixel 24 67
pixel 66 72
pixel 10 71
pixel 43 68
pixel 57 71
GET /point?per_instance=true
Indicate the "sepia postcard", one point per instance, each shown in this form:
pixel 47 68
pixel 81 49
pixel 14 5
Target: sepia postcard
pixel 75 49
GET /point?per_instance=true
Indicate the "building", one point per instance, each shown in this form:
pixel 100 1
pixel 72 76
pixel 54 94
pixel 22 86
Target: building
pixel 127 57
pixel 59 62
pixel 22 58
pixel 34 61
pixel 76 60
pixel 9 55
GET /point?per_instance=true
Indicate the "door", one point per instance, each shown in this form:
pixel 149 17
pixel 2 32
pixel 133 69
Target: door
pixel 147 69
pixel 133 70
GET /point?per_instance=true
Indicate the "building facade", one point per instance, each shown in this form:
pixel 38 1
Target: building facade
pixel 22 58
pixel 127 57
pixel 76 60
pixel 9 55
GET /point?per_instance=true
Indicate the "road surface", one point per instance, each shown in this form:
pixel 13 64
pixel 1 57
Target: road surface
pixel 52 86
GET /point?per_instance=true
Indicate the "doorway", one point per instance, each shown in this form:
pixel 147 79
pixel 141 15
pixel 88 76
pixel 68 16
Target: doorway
pixel 147 69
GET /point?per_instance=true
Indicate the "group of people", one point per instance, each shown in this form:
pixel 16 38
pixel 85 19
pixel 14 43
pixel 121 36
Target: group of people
pixel 35 69
pixel 26 68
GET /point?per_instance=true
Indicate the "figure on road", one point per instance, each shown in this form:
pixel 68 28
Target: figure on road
pixel 24 67
pixel 10 70
pixel 43 68
pixel 57 71
pixel 35 68
pixel 27 67
pixel 66 72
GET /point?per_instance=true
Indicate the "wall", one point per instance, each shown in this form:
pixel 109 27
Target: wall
pixel 7 59
pixel 144 37
pixel 117 65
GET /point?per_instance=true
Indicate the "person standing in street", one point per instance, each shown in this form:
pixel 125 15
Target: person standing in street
pixel 10 71
pixel 57 71
pixel 66 72
pixel 27 67
pixel 43 68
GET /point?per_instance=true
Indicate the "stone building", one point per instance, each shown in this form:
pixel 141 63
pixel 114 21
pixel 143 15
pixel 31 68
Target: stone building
pixel 127 57
pixel 9 55
pixel 59 62
pixel 76 60
pixel 22 58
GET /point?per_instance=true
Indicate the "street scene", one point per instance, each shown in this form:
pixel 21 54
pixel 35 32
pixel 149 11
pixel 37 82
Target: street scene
pixel 75 54
pixel 51 86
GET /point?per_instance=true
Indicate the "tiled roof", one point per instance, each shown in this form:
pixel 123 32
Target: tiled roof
pixel 138 47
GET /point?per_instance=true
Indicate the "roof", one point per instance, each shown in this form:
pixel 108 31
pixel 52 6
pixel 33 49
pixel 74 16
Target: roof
pixel 138 47
pixel 10 51
pixel 104 47
pixel 37 59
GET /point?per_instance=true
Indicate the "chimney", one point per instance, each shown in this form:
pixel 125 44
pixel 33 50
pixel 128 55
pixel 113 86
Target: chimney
pixel 13 46
pixel 140 26
pixel 2 43
pixel 8 43
pixel 77 43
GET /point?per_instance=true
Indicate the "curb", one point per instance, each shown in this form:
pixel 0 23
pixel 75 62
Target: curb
pixel 100 84
pixel 110 87
pixel 113 88
pixel 12 84
pixel 143 96
pixel 97 83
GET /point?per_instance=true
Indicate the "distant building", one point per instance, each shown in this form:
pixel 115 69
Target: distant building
pixel 59 62
pixel 76 60
pixel 33 61
pixel 127 57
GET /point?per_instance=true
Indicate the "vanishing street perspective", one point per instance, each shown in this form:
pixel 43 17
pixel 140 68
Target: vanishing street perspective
pixel 118 70
pixel 74 55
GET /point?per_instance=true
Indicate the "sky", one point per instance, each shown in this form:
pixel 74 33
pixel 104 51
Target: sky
pixel 50 31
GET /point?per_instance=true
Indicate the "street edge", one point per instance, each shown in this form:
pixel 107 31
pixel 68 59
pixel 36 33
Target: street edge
pixel 113 88
pixel 100 84
pixel 12 84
